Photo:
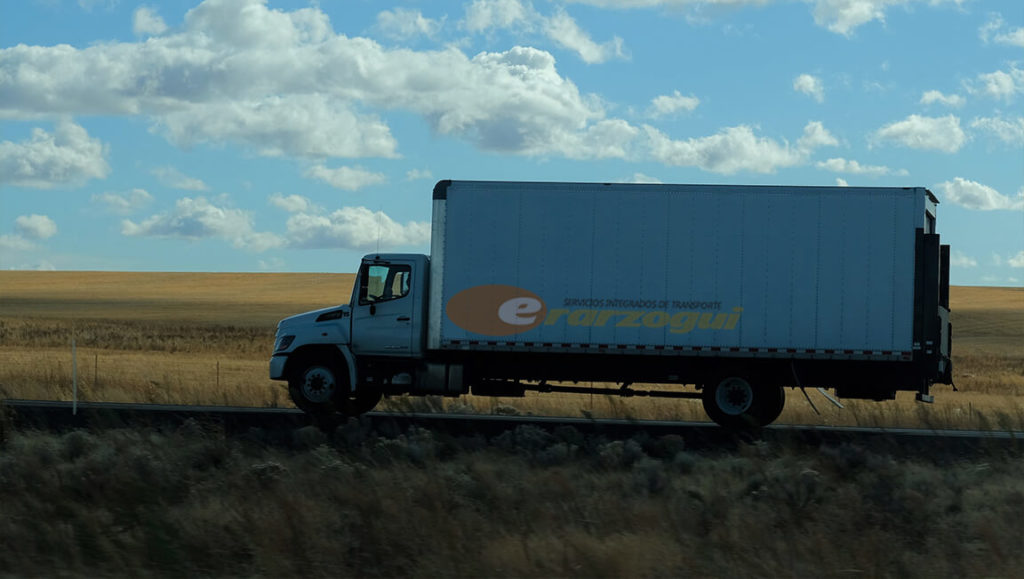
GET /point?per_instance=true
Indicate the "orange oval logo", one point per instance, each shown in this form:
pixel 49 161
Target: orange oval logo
pixel 496 310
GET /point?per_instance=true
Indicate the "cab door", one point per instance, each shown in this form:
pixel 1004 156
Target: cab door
pixel 383 308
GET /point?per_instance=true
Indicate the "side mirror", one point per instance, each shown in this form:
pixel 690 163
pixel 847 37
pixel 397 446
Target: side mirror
pixel 373 309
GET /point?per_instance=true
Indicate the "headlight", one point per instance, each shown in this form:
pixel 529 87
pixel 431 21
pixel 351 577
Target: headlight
pixel 333 315
pixel 284 342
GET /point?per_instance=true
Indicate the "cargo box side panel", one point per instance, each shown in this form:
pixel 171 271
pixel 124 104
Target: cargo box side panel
pixel 519 242
pixel 903 273
pixel 887 279
pixel 787 280
pixel 557 236
pixel 630 234
pixel 755 293
pixel 698 268
pixel 865 272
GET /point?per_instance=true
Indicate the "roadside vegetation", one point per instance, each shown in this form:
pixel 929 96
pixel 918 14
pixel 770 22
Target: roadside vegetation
pixel 526 503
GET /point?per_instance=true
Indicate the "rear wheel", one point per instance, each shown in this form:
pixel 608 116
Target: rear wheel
pixel 736 403
pixel 773 400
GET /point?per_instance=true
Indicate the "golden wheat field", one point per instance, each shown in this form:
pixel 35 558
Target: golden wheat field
pixel 205 338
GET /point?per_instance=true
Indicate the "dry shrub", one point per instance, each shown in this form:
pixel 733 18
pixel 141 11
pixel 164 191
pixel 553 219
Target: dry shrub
pixel 191 502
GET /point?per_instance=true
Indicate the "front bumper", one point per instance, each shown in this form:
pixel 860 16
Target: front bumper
pixel 277 363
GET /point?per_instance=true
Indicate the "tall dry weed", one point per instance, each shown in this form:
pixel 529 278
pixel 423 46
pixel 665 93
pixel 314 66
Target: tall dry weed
pixel 529 502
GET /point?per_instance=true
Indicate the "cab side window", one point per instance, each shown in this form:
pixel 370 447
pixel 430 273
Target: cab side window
pixel 385 282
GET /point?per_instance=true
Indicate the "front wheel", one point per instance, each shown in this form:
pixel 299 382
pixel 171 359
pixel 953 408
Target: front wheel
pixel 321 388
pixel 736 403
pixel 314 387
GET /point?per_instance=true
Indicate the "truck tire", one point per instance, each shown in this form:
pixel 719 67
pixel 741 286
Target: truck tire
pixel 321 388
pixel 773 400
pixel 315 385
pixel 736 403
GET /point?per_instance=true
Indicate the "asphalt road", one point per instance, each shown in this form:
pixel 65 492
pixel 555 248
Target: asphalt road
pixel 279 423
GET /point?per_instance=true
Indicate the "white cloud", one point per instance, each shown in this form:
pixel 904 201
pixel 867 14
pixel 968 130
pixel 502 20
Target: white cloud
pixel 283 83
pixel 840 165
pixel 88 5
pixel 934 96
pixel 146 22
pixel 810 86
pixel 565 32
pixel 123 203
pixel 1000 84
pixel 737 149
pixel 347 178
pixel 197 218
pixel 418 174
pixel 1010 131
pixel 354 228
pixel 10 242
pixel 606 139
pixel 174 178
pixel 961 259
pixel 28 228
pixel 560 27
pixel 1015 37
pixel 839 16
pixel 483 15
pixel 816 135
pixel 404 24
pixel 301 125
pixel 665 105
pixel 931 133
pixel 840 182
pixel 974 195
pixel 35 226
pixel 992 31
pixel 641 178
pixel 1017 260
pixel 66 157
pixel 291 203
pixel 272 264
pixel 845 16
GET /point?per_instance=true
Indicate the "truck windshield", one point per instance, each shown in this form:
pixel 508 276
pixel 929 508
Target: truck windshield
pixel 381 282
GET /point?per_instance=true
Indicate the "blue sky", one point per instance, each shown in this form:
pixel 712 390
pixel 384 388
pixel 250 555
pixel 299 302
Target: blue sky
pixel 240 135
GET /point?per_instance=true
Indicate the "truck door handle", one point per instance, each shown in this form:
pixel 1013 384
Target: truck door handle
pixel 403 318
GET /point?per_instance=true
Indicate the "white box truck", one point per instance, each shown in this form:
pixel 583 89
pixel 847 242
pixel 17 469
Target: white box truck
pixel 719 292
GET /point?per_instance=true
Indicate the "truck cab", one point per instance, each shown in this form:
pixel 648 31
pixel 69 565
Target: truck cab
pixel 389 306
pixel 344 358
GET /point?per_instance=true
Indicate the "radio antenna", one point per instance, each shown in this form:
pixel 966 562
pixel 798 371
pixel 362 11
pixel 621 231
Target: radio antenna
pixel 379 214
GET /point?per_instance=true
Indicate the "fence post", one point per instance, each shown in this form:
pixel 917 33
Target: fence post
pixel 74 373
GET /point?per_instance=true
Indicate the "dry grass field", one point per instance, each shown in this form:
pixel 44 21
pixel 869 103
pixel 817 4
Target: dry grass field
pixel 206 339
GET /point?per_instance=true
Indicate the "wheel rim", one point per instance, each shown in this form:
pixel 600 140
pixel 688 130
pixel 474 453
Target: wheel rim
pixel 318 384
pixel 734 396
